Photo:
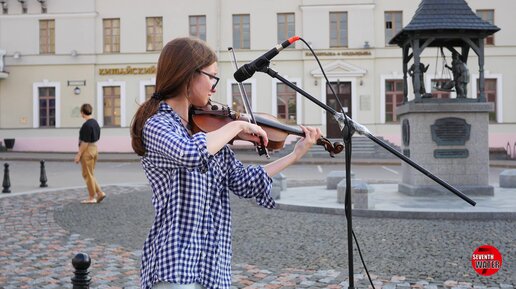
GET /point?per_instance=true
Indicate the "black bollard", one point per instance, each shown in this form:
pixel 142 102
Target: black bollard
pixel 43 175
pixel 6 184
pixel 81 262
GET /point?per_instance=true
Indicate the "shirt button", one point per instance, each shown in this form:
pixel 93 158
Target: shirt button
pixel 203 255
pixel 205 232
pixel 181 153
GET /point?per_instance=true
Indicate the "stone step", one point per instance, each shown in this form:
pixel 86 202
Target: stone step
pixel 362 147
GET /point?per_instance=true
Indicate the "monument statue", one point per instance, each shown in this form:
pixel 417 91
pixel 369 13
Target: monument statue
pixel 460 75
pixel 422 69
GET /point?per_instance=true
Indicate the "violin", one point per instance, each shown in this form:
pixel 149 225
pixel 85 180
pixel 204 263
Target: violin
pixel 214 116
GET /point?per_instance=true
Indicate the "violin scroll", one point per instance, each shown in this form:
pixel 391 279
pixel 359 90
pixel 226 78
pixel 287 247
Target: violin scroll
pixel 332 149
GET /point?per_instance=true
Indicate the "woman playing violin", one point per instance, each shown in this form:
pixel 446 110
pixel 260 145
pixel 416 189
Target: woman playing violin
pixel 189 244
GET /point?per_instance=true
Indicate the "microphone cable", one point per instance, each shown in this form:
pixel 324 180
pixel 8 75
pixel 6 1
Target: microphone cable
pixel 346 122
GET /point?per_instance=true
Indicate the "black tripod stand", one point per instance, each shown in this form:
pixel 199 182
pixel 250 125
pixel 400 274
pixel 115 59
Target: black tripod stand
pixel 348 128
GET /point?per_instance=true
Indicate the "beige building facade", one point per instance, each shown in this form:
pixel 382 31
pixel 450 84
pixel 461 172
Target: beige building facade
pixel 58 54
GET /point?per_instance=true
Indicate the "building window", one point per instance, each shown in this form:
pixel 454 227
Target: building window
pixel 198 27
pixel 154 33
pixel 286 104
pixel 439 89
pixel 487 15
pixel 393 98
pixel 111 106
pixel 23 6
pixel 241 31
pixel 111 35
pixel 149 90
pixel 490 93
pixel 286 26
pixel 47 106
pixel 47 37
pixel 338 29
pixel 393 24
pixel 237 102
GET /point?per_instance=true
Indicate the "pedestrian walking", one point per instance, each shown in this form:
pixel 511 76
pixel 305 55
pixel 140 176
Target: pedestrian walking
pixel 191 175
pixel 88 154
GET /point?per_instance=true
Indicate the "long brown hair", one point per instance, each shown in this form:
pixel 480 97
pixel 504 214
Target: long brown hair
pixel 177 63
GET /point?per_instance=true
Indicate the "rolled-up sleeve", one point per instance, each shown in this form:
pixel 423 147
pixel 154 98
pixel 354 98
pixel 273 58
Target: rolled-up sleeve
pixel 178 150
pixel 250 182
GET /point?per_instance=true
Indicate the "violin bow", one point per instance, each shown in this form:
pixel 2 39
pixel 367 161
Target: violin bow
pixel 262 150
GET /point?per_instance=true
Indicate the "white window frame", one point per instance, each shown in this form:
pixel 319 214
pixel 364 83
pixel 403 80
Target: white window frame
pixel 35 101
pixel 354 96
pixel 499 92
pixel 100 101
pixel 383 78
pixel 144 83
pixel 299 106
pixel 229 96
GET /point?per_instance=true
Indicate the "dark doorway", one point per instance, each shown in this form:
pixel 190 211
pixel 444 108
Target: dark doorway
pixel 343 91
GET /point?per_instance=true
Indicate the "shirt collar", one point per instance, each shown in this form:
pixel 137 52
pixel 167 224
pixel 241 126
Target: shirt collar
pixel 164 107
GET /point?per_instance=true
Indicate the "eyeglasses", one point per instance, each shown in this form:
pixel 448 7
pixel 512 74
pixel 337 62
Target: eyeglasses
pixel 213 78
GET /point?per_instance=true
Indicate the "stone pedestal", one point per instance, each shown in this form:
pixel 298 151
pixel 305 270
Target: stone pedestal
pixel 279 183
pixel 359 194
pixel 334 178
pixel 448 137
pixel 281 180
pixel 508 179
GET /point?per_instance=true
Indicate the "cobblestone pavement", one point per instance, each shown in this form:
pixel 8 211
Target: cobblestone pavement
pixel 40 233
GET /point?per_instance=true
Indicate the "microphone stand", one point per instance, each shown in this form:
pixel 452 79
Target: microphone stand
pixel 348 127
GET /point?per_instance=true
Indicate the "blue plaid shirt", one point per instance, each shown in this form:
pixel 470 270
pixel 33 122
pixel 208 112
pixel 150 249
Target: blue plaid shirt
pixel 190 240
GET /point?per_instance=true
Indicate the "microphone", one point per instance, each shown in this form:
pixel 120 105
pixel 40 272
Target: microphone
pixel 247 70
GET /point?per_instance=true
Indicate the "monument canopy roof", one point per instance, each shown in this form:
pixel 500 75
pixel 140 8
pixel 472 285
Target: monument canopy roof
pixel 445 17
